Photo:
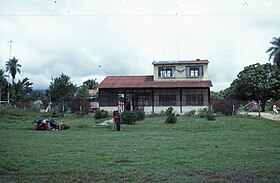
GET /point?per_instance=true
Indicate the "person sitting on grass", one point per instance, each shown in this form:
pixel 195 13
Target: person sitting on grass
pixel 49 124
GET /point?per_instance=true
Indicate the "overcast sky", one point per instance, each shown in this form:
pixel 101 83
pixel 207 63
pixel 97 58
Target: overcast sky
pixel 124 37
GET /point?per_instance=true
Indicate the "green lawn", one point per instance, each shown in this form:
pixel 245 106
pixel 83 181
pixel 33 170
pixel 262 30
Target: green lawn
pixel 230 149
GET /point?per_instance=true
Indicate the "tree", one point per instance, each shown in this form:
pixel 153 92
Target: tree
pixel 3 82
pixel 274 51
pixel 90 83
pixel 61 89
pixel 12 67
pixel 22 90
pixel 256 82
pixel 83 92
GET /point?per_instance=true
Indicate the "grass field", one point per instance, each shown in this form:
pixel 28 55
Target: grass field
pixel 230 149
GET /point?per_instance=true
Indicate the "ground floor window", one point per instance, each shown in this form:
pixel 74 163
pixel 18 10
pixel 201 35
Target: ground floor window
pixel 145 100
pixel 135 98
pixel 195 100
pixel 167 100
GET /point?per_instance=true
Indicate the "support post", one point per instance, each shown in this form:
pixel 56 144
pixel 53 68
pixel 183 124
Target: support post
pixel 181 102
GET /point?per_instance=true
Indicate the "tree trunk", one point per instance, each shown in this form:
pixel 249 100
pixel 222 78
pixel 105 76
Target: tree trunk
pixel 0 95
pixel 263 102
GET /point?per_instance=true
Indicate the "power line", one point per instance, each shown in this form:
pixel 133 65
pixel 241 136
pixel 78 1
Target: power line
pixel 140 15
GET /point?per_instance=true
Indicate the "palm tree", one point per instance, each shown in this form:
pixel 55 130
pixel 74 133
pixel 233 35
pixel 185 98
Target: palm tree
pixel 3 82
pixel 12 67
pixel 91 83
pixel 274 51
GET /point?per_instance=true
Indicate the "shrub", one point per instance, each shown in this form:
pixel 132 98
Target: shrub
pixel 99 114
pixel 225 106
pixel 191 113
pixel 210 115
pixel 171 118
pixel 130 117
pixel 140 115
pixel 207 113
pixel 162 113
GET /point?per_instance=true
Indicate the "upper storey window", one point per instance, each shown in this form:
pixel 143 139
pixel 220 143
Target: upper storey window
pixel 194 71
pixel 166 71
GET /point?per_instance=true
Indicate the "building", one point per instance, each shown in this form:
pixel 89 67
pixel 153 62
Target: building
pixel 183 84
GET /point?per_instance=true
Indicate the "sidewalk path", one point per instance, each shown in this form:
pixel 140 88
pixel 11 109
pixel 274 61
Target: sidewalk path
pixel 266 115
pixel 105 123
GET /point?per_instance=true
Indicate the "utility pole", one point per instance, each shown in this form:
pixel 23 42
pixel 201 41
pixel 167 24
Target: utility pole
pixel 10 48
pixel 9 74
pixel 178 50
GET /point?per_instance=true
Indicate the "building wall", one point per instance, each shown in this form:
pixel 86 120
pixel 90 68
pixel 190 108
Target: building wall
pixel 181 75
pixel 192 99
pixel 159 109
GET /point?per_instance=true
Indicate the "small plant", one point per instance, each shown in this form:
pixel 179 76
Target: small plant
pixel 171 118
pixel 100 114
pixel 207 113
pixel 191 113
pixel 162 113
pixel 210 114
pixel 140 115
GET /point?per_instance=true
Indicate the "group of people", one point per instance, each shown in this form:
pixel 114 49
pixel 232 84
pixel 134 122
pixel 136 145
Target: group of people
pixel 49 124
pixel 117 119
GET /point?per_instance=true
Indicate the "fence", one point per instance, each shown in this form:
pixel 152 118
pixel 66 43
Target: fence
pixel 73 106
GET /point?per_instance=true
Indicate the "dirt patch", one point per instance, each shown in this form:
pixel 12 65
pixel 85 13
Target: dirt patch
pixel 267 115
pixel 235 176
pixel 275 117
pixel 125 161
pixel 8 178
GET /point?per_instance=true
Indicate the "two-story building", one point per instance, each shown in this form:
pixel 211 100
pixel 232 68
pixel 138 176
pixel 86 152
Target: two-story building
pixel 182 84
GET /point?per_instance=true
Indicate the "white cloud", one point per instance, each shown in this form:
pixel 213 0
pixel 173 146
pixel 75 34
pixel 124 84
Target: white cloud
pixel 123 37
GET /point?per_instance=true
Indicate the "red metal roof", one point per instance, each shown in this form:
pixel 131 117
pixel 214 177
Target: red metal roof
pixel 148 82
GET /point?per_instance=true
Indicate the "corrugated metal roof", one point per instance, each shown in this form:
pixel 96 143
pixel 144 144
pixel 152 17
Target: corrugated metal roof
pixel 148 82
pixel 197 61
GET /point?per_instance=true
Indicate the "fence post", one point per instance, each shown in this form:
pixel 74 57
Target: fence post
pixel 259 106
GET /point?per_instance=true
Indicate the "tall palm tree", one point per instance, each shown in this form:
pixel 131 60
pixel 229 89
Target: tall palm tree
pixel 274 51
pixel 12 67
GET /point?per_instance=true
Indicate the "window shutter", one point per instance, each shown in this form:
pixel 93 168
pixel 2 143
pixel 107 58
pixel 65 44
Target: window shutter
pixel 200 71
pixel 188 71
pixel 173 71
pixel 159 69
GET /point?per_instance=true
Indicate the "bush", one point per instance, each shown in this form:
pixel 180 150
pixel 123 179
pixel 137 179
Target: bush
pixel 130 117
pixel 225 106
pixel 100 114
pixel 162 113
pixel 207 113
pixel 171 118
pixel 191 113
pixel 210 115
pixel 140 115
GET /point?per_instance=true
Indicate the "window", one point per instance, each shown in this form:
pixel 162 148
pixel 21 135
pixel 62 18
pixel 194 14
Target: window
pixel 166 71
pixel 195 100
pixel 145 100
pixel 167 100
pixel 194 71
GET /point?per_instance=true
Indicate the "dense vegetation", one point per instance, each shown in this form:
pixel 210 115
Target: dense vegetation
pixel 229 149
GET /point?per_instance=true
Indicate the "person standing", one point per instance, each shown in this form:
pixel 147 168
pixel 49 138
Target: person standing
pixel 115 119
pixel 274 109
